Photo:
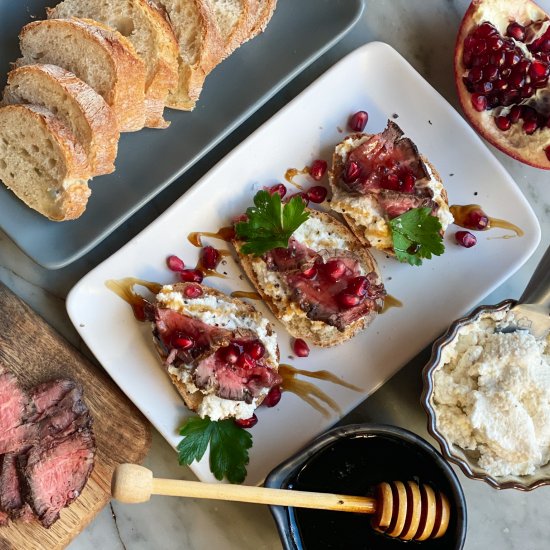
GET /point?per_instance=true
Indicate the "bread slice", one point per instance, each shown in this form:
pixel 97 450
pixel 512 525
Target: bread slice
pixel 143 23
pixel 200 47
pixel 320 232
pixel 235 20
pixel 364 213
pixel 42 163
pixel 266 9
pixel 218 310
pixel 99 56
pixel 76 104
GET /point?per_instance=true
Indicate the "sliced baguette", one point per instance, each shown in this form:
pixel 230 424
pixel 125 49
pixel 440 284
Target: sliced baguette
pixel 42 162
pixel 200 47
pixel 276 295
pixel 241 312
pixel 144 24
pixel 363 213
pixel 99 56
pixel 75 103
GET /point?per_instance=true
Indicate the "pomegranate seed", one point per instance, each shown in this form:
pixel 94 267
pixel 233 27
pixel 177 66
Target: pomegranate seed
pixel 497 58
pixel 480 47
pixel 358 286
pixel 538 71
pixel 245 361
pixel 528 113
pixel 391 181
pixel 301 349
pixel 517 79
pixel 347 301
pixel 210 257
pixel 523 66
pixel 317 194
pixel 334 269
pixel 318 169
pixel 191 275
pixel 500 85
pixel 527 91
pixel 547 151
pixel 479 102
pixel 302 195
pixel 494 43
pixel 255 349
pixel 477 219
pixel 490 72
pixel 503 123
pixel 511 58
pixel 309 272
pixel 351 172
pixel 529 126
pixel 174 263
pixel 246 423
pixel 273 397
pixel 465 239
pixel 279 188
pixel 358 121
pixel 485 30
pixel 182 341
pixel 516 31
pixel 230 354
pixel 408 183
pixel 475 75
pixel 192 291
pixel 514 114
pixel 483 87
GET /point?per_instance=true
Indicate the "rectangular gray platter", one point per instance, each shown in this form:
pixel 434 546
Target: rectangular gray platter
pixel 149 160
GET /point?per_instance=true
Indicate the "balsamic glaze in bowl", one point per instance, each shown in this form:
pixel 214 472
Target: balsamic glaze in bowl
pixel 352 460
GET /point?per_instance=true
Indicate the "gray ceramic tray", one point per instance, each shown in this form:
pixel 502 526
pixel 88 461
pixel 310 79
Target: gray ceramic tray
pixel 148 161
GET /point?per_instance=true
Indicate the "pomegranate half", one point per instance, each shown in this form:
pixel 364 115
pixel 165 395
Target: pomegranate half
pixel 502 68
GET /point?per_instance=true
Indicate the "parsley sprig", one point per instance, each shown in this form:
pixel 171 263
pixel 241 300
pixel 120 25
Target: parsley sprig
pixel 270 224
pixel 416 235
pixel 229 446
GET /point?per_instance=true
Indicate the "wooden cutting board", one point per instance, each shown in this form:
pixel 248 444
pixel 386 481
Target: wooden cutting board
pixel 34 352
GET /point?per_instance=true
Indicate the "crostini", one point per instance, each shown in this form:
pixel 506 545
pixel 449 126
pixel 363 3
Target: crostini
pixel 376 178
pixel 322 284
pixel 220 353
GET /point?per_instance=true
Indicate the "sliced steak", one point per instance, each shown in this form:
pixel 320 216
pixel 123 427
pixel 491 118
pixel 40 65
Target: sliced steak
pixel 383 160
pixel 4 518
pixel 11 498
pixel 394 203
pixel 15 409
pixel 55 472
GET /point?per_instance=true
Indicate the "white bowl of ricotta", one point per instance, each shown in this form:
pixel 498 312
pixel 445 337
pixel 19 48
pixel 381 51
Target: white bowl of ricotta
pixel 487 395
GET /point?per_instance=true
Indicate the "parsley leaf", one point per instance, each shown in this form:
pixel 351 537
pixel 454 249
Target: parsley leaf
pixel 416 235
pixel 270 224
pixel 229 446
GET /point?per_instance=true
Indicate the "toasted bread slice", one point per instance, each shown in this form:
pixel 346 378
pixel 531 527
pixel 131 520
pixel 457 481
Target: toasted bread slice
pixel 42 162
pixel 99 56
pixel 227 317
pixel 144 24
pixel 75 103
pixel 364 212
pixel 320 232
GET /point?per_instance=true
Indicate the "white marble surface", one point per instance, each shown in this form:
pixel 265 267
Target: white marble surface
pixel 423 31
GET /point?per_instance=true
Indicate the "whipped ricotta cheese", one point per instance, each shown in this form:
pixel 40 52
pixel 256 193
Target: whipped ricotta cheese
pixel 492 395
pixel 365 209
pixel 213 311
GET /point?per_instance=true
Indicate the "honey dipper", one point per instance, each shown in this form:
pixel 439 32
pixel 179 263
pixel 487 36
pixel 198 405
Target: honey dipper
pixel 408 511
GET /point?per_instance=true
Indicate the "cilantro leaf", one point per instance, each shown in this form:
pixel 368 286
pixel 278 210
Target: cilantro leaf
pixel 270 224
pixel 229 446
pixel 416 235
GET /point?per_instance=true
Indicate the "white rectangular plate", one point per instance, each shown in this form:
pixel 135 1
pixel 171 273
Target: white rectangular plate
pixel 374 78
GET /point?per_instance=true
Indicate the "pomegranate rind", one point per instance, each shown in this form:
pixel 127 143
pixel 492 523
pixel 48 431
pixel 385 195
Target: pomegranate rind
pixel 514 143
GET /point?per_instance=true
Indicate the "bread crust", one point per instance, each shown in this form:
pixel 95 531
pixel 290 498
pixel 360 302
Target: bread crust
pixel 328 336
pixel 266 10
pixel 126 96
pixel 162 68
pixel 335 174
pixel 98 116
pixel 193 400
pixel 73 191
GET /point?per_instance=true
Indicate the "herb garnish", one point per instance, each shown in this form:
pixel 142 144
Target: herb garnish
pixel 416 235
pixel 229 446
pixel 270 224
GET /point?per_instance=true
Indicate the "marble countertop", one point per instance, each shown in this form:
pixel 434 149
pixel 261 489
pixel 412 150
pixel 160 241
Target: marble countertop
pixel 423 31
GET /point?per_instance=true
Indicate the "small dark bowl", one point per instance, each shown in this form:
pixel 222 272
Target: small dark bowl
pixel 351 460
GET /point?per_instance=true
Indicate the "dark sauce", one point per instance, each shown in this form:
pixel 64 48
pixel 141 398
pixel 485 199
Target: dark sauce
pixel 389 302
pixel 125 289
pixel 225 234
pixel 354 466
pixel 461 213
pixel 291 173
pixel 245 294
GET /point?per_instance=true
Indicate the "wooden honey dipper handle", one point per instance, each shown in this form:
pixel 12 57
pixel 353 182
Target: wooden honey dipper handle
pixel 132 484
pixel 403 510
